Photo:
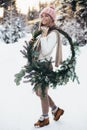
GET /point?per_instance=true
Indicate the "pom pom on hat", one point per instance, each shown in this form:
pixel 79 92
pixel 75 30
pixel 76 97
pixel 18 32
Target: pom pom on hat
pixel 52 6
pixel 50 11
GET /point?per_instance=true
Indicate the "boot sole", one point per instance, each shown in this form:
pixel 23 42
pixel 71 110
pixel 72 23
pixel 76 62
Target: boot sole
pixel 45 125
pixel 42 125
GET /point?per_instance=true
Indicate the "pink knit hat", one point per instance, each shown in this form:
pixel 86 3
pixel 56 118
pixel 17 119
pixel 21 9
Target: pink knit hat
pixel 50 11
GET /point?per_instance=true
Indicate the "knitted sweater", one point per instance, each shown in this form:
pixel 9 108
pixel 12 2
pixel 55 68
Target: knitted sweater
pixel 50 45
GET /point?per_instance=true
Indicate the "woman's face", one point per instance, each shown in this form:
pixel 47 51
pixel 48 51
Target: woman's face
pixel 46 20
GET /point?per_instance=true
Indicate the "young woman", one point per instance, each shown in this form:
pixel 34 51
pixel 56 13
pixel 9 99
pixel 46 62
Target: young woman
pixel 48 41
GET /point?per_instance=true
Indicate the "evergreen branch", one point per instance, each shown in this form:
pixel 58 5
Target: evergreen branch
pixel 19 76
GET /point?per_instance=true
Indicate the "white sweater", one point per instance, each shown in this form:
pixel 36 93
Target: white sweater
pixel 48 44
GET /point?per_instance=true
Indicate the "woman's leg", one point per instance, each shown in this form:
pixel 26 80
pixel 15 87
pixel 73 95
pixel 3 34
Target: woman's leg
pixel 56 111
pixel 44 101
pixel 51 103
pixel 45 104
pixel 44 119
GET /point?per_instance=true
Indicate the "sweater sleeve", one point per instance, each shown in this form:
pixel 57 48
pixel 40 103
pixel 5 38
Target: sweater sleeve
pixel 48 43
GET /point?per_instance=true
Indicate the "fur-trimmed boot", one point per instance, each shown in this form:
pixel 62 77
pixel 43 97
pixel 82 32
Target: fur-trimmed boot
pixel 43 121
pixel 57 113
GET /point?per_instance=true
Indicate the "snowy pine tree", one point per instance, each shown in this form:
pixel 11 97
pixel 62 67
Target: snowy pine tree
pixel 12 31
pixel 13 23
pixel 72 17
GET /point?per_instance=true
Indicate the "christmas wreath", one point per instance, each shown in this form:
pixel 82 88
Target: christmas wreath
pixel 39 73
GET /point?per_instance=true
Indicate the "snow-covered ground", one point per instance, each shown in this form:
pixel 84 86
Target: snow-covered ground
pixel 20 107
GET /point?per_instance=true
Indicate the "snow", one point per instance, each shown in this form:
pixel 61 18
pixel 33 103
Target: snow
pixel 20 107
